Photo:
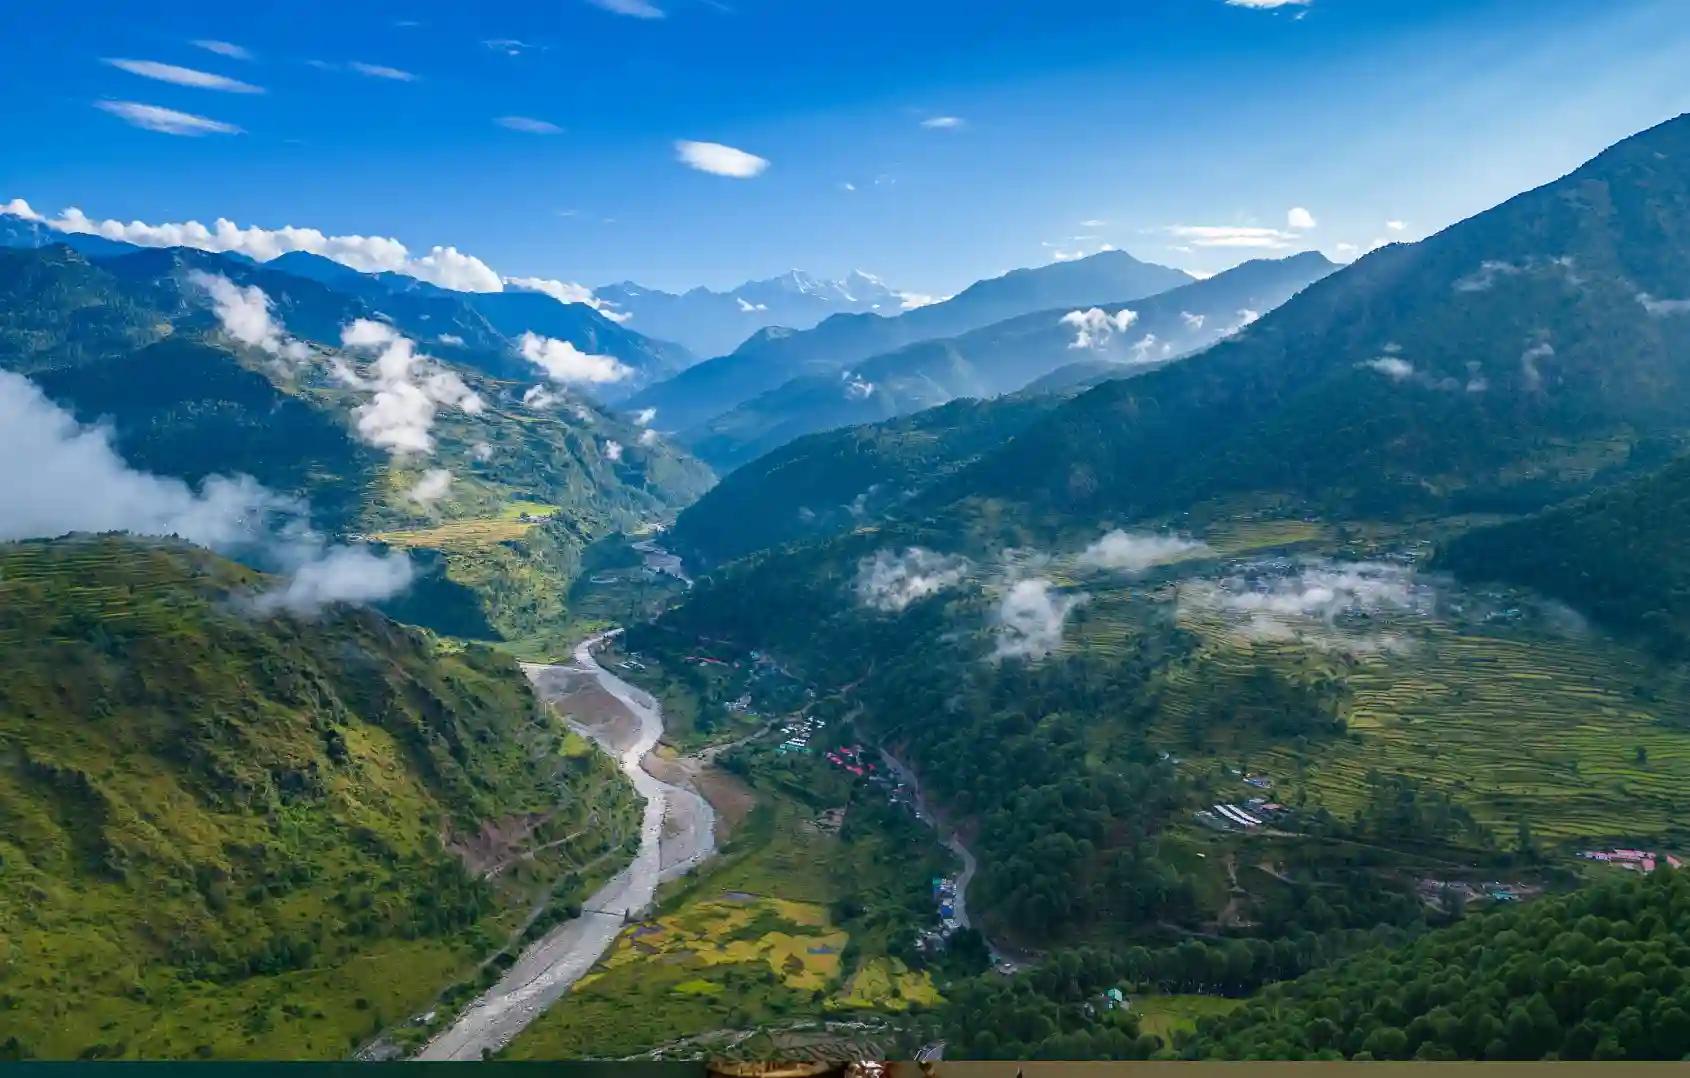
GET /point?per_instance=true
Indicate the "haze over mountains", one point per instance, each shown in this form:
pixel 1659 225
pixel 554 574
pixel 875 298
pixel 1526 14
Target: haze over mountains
pixel 1055 348
pixel 711 323
pixel 777 355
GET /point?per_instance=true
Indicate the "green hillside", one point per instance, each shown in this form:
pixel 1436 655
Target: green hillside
pixel 1617 556
pixel 226 836
pixel 825 483
pixel 129 343
pixel 1501 364
pixel 1599 974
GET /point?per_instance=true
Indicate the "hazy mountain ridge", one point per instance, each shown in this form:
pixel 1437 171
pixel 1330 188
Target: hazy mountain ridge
pixel 777 355
pixel 1116 338
pixel 712 323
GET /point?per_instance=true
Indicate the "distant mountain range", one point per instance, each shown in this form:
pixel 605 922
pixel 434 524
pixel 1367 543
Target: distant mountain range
pixel 131 342
pixel 711 323
pixel 480 329
pixel 1062 348
pixel 777 355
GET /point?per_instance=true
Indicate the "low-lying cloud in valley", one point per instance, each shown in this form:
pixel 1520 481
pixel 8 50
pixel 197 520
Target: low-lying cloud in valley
pixel 1135 552
pixel 1336 606
pixel 406 388
pixel 889 581
pixel 568 365
pixel 1030 617
pixel 66 477
pixel 245 314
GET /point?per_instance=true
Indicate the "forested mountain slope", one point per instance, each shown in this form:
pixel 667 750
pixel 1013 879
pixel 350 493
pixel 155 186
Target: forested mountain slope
pixel 240 836
pixel 1598 974
pixel 825 483
pixel 144 353
pixel 1497 364
pixel 1618 556
pixel 1005 357
pixel 778 355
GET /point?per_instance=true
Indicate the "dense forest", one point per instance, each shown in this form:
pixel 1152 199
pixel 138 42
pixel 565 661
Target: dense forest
pixel 1600 973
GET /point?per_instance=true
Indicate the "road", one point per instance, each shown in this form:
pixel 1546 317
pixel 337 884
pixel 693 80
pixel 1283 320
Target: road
pixel 677 832
pixel 1001 958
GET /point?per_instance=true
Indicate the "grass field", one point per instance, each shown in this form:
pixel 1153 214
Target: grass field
pixel 1165 1016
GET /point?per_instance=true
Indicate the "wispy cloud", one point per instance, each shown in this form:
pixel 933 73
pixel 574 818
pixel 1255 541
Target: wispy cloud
pixel 719 160
pixel 184 76
pixel 637 9
pixel 1396 226
pixel 1268 5
pixel 223 48
pixel 510 46
pixel 381 71
pixel 528 125
pixel 166 121
pixel 1233 236
pixel 943 123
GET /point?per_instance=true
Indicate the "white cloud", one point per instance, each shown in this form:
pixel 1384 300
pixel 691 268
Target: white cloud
pixel 648 437
pixel 644 416
pixel 1246 316
pixel 1330 605
pixel 450 338
pixel 1529 359
pixel 75 481
pixel 223 48
pixel 564 363
pixel 1396 226
pixel 343 574
pixel 245 316
pixel 943 123
pixel 613 450
pixel 746 307
pixel 638 9
pixel 540 398
pixel 184 76
pixel 528 125
pixel 1248 236
pixel 1660 308
pixel 166 121
pixel 1395 368
pixel 445 266
pixel 1485 277
pixel 405 387
pixel 1299 218
pixel 1093 328
pixel 890 582
pixel 719 160
pixel 1193 322
pixel 1268 5
pixel 481 451
pixel 1135 552
pixel 567 292
pixel 431 487
pixel 856 387
pixel 1030 618
pixel 909 301
pixel 382 71
pixel 17 207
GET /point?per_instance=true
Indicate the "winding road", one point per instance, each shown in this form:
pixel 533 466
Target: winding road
pixel 677 833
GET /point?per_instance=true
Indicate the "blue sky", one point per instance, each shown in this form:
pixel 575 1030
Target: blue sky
pixel 1081 123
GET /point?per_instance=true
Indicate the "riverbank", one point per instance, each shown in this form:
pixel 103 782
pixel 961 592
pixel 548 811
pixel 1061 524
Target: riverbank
pixel 677 833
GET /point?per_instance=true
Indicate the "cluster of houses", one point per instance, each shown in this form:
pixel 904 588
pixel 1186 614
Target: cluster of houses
pixel 944 898
pixel 850 758
pixel 796 735
pixel 1438 893
pixel 1632 860
pixel 1246 816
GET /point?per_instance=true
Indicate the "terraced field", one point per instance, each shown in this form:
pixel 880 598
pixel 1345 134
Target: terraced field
pixel 1579 736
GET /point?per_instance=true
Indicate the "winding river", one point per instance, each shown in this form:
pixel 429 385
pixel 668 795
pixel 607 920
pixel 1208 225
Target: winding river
pixel 677 833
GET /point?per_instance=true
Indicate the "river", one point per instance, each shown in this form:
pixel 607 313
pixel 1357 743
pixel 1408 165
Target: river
pixel 677 832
